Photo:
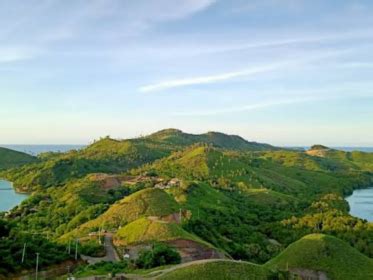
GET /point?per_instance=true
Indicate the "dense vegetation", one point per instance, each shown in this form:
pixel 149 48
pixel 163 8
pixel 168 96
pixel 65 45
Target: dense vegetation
pixel 13 242
pixel 158 255
pixel 320 252
pixel 247 200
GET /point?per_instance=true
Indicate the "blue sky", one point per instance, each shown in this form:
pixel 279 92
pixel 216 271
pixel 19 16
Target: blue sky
pixel 286 72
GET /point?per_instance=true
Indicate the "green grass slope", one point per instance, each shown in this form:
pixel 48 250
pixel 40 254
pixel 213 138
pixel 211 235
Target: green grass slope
pixel 11 159
pixel 144 203
pixel 325 253
pixel 202 162
pixel 219 270
pixel 104 156
pixel 145 230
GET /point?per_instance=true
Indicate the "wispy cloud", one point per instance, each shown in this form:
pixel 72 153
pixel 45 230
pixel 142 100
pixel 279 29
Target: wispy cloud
pixel 208 79
pixel 259 69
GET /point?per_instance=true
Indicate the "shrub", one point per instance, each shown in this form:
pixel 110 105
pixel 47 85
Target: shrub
pixel 160 254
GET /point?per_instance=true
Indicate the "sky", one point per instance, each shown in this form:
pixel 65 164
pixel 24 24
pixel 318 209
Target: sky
pixel 284 72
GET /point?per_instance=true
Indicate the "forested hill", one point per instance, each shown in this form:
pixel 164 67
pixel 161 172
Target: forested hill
pixel 10 158
pixel 217 139
pixel 114 156
pixel 218 194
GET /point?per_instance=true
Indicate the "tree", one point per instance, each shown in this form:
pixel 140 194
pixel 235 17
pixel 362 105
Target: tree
pixel 160 254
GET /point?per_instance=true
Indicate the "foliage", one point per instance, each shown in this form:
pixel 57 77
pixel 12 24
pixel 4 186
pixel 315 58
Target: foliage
pixel 11 248
pixel 329 215
pixel 145 230
pixel 325 253
pixel 92 248
pixel 160 254
pixel 147 202
pixel 102 268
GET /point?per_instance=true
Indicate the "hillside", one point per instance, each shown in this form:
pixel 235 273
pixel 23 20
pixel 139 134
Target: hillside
pixel 220 140
pixel 144 203
pixel 318 252
pixel 287 172
pixel 11 159
pixel 350 160
pixel 218 270
pixel 147 230
pixel 114 156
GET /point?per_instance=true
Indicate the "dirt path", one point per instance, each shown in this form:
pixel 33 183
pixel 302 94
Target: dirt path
pixel 111 254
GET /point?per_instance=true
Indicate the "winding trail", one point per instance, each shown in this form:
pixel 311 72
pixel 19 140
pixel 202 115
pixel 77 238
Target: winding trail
pixel 111 254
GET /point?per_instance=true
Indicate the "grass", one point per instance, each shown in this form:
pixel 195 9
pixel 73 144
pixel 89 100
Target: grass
pixel 144 203
pixel 220 270
pixel 145 230
pixel 325 253
pixel 268 197
pixel 11 159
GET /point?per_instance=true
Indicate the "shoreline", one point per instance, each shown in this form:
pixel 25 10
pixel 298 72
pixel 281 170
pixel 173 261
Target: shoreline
pixel 356 210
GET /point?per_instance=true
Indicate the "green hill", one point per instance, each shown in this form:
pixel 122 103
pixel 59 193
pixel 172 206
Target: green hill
pixel 144 203
pixel 217 139
pixel 324 253
pixel 146 230
pixel 11 159
pixel 355 160
pixel 114 156
pixel 218 270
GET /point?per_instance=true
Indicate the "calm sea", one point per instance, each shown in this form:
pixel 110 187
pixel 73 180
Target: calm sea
pixel 8 197
pixel 361 204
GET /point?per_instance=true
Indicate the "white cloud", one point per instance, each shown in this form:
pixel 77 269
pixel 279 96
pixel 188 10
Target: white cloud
pixel 208 79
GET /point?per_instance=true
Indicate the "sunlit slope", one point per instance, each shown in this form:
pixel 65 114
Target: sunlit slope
pixel 355 160
pixel 147 230
pixel 144 203
pixel 113 156
pixel 325 253
pixel 287 172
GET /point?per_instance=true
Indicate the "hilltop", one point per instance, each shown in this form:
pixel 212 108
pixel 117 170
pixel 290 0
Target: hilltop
pixel 10 158
pixel 114 156
pixel 217 139
pixel 323 253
